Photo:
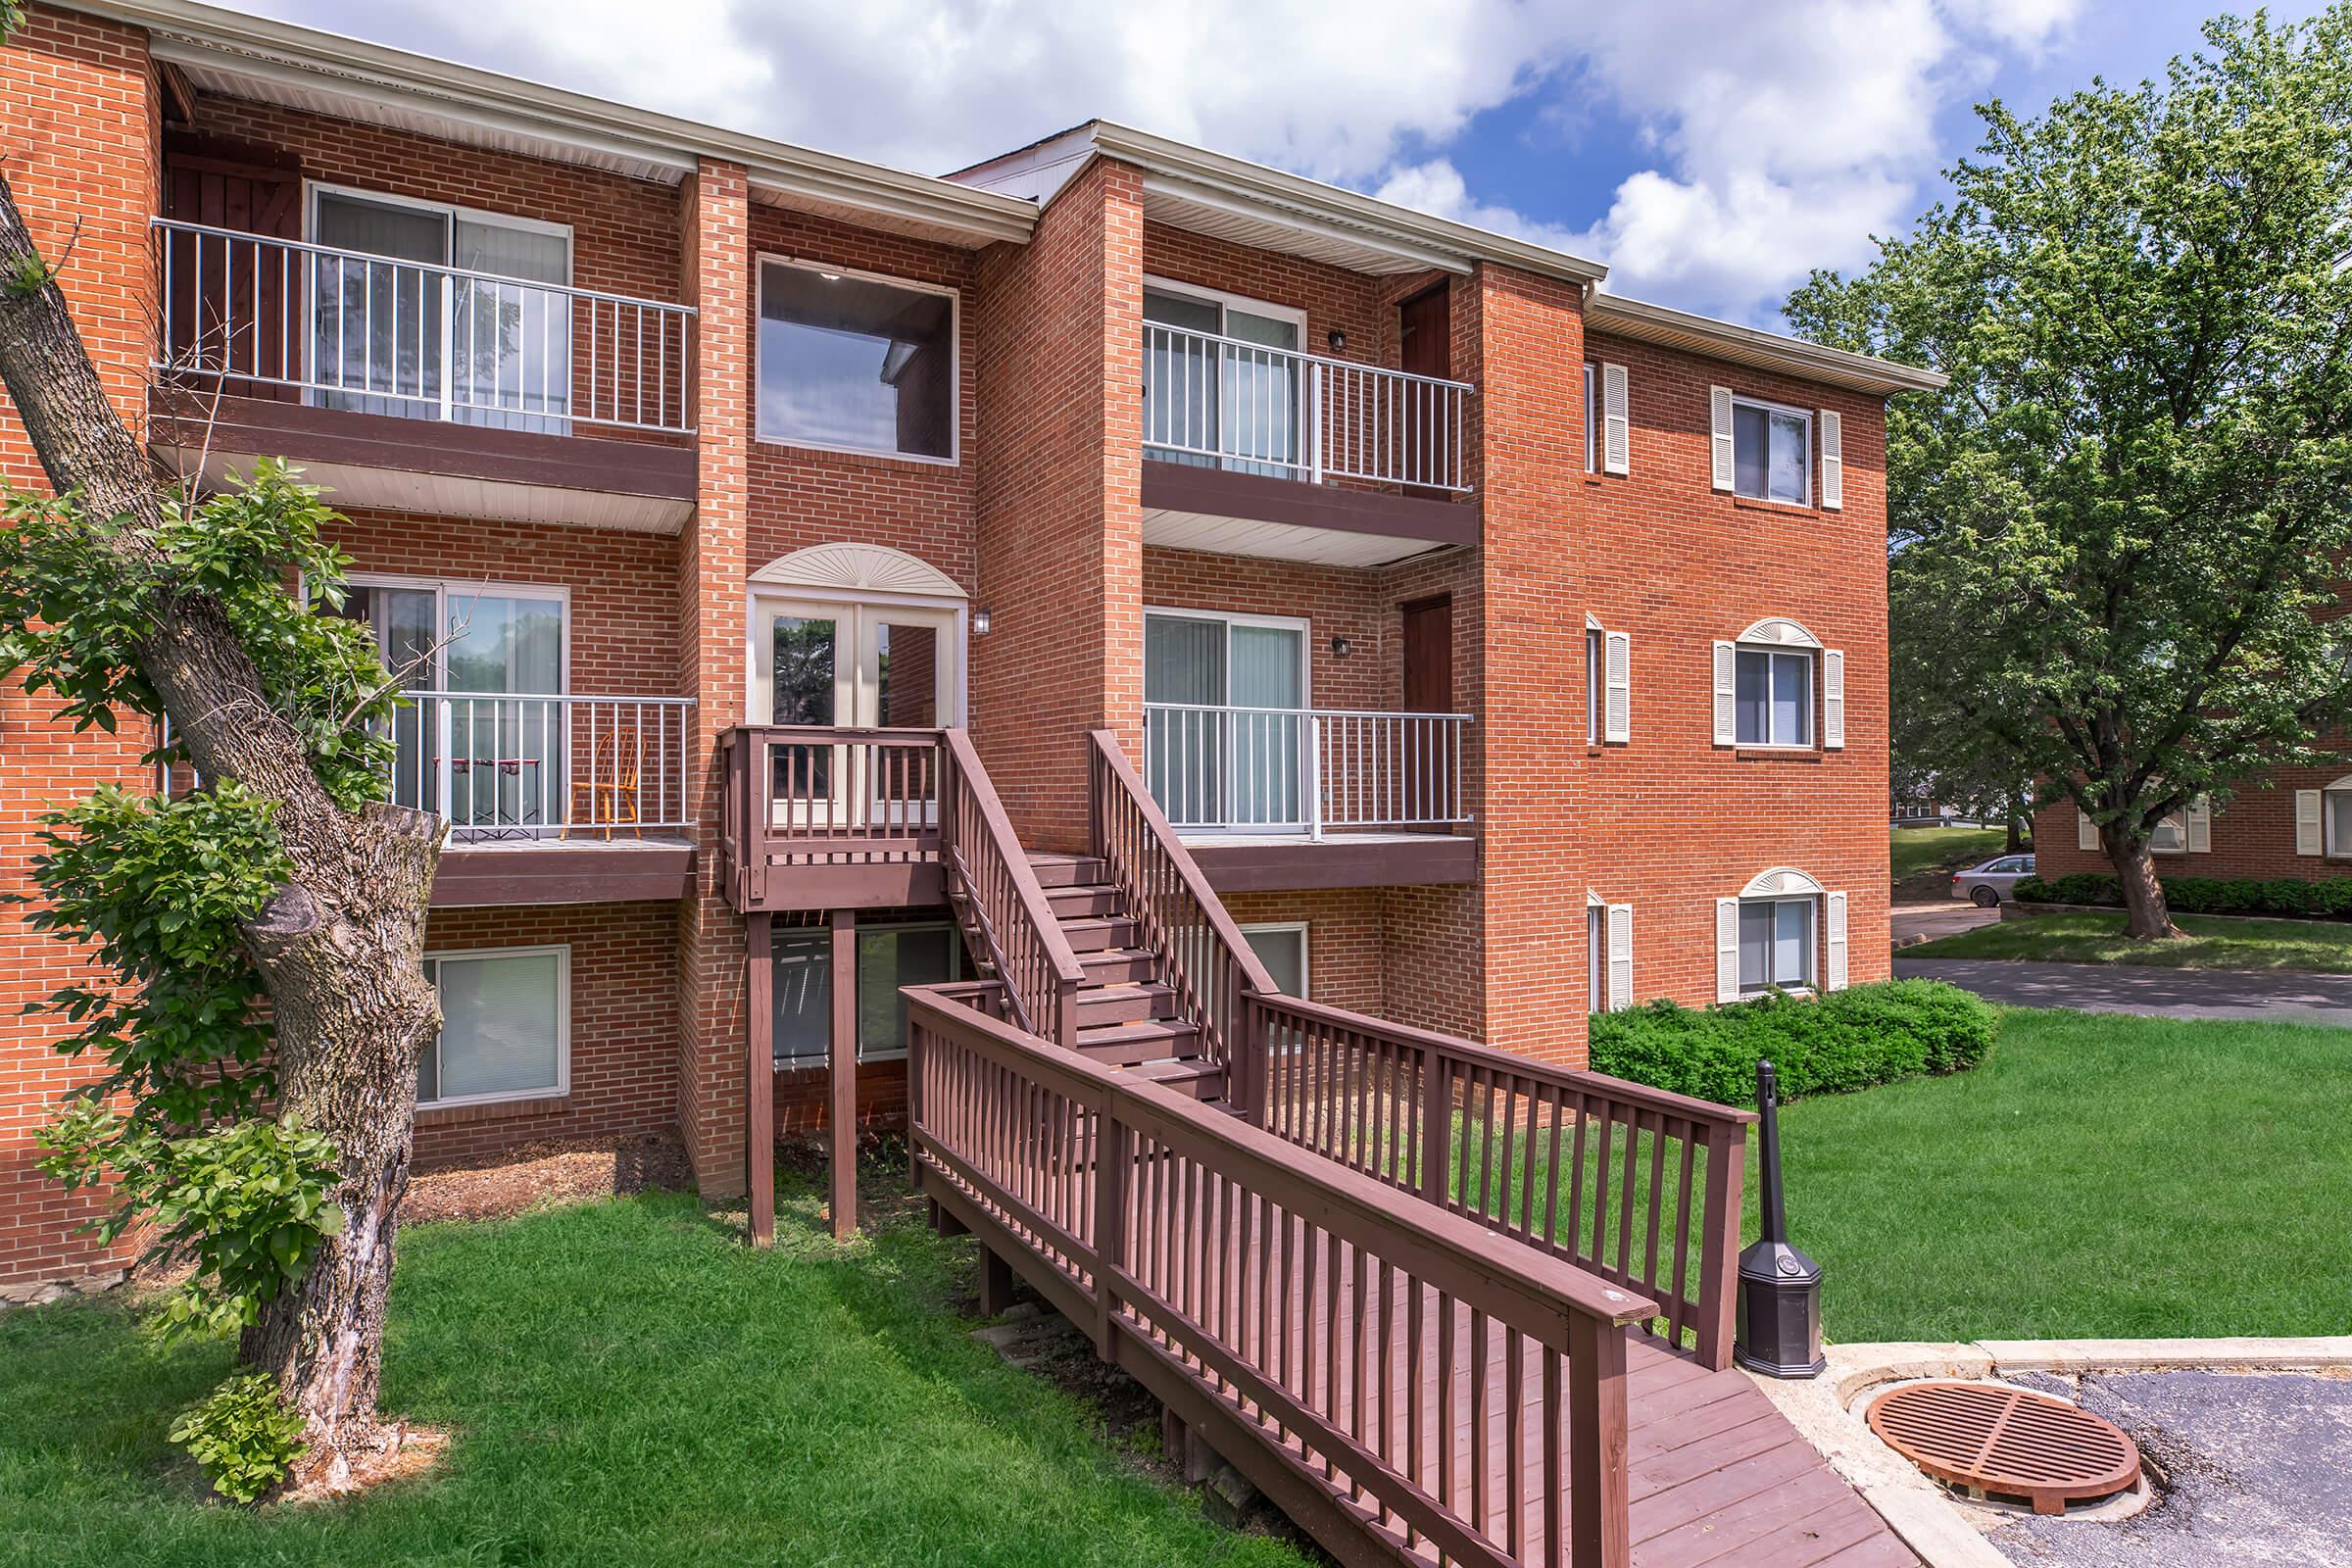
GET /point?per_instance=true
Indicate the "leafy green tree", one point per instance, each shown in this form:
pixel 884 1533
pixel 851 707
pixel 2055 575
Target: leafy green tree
pixel 266 1003
pixel 2117 534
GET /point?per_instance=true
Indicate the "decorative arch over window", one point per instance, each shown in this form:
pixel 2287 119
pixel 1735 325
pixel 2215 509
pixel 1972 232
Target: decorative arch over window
pixel 1780 632
pixel 1781 882
pixel 1784 931
pixel 857 568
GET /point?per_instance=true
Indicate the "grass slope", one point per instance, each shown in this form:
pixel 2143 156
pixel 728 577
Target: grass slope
pixel 2098 1176
pixel 628 1385
pixel 1914 850
pixel 2312 945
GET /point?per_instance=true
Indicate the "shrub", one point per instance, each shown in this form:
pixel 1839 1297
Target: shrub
pixel 2327 900
pixel 1846 1039
pixel 243 1435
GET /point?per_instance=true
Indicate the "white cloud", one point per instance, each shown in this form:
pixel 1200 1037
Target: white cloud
pixel 1776 138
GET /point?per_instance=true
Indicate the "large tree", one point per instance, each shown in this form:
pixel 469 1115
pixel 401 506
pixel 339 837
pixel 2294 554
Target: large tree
pixel 2119 535
pixel 265 935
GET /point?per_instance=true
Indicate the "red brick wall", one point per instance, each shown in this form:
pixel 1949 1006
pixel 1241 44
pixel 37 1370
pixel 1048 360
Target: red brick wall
pixel 2252 834
pixel 1669 821
pixel 625 1027
pixel 79 153
pixel 1344 939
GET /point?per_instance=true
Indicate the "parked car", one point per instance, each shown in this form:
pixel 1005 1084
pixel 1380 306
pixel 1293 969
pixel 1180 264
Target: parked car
pixel 1990 884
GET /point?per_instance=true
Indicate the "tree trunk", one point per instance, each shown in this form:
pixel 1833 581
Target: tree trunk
pixel 2145 912
pixel 340 948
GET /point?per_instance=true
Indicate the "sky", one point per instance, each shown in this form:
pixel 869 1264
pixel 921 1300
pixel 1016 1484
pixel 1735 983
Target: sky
pixel 1711 152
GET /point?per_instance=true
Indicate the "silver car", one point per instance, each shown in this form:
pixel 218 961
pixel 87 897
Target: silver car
pixel 1990 884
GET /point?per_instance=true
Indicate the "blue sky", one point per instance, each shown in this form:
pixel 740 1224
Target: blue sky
pixel 1710 150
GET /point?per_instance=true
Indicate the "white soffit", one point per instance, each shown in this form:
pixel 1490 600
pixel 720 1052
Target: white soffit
pixel 1276 541
pixel 352 487
pixel 1198 210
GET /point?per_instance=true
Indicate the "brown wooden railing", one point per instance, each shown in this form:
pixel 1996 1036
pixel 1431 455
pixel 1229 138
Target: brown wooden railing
pixel 800 793
pixel 1202 954
pixel 1001 907
pixel 1331 1335
pixel 1636 1185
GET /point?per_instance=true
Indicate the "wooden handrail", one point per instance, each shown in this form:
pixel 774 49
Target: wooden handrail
pixel 1356 1328
pixel 1007 911
pixel 1581 1166
pixel 1203 955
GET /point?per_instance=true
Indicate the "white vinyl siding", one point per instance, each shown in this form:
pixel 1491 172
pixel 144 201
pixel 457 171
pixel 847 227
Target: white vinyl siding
pixel 506 1025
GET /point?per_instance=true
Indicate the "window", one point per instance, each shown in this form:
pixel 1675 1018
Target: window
pixel 2169 836
pixel 1591 424
pixel 915 953
pixel 1281 949
pixel 1776 943
pixel 1225 725
pixel 1597 957
pixel 857 364
pixel 1772 452
pixel 1595 678
pixel 506 1020
pixel 1774 697
pixel 2340 821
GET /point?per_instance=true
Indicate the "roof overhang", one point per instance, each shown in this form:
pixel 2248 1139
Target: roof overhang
pixel 1207 192
pixel 275 62
pixel 1620 316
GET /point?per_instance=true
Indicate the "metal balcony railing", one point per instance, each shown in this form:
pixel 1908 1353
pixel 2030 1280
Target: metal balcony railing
pixel 1303 771
pixel 524 767
pixel 1222 402
pixel 345 329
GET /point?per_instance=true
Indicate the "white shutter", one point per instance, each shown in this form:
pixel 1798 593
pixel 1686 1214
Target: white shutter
pixel 1835 972
pixel 2201 826
pixel 1833 698
pixel 1727 695
pixel 2086 832
pixel 1833 461
pixel 1617 701
pixel 1727 950
pixel 1719 403
pixel 2307 822
pixel 1616 428
pixel 1621 957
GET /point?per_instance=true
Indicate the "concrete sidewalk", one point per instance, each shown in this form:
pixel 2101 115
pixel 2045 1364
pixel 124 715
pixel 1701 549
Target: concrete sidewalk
pixel 2259 995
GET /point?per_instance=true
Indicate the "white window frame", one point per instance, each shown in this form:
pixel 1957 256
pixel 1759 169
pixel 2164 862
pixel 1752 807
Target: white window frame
pixel 1300 624
pixel 1306 947
pixel 444 589
pixel 1812 658
pixel 956 961
pixel 2329 849
pixel 1596 680
pixel 1225 300
pixel 1596 954
pixel 1815 915
pixel 563 956
pixel 1739 401
pixel 762 260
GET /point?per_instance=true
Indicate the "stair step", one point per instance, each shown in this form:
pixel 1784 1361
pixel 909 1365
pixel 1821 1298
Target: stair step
pixel 1124 1004
pixel 1202 1080
pixel 1111 965
pixel 1057 870
pixel 1142 1040
pixel 1093 933
pixel 1086 898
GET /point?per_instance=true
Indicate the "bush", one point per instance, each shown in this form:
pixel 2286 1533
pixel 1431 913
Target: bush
pixel 2293 897
pixel 1843 1041
pixel 243 1435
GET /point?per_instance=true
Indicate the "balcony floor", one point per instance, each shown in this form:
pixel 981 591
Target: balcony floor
pixel 1265 862
pixel 585 869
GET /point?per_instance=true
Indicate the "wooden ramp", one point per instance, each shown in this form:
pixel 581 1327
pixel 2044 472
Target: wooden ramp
pixel 1410 1383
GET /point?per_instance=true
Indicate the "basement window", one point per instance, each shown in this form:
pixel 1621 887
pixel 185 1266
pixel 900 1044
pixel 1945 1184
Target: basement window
pixel 505 1026
pixel 1776 943
pixel 924 952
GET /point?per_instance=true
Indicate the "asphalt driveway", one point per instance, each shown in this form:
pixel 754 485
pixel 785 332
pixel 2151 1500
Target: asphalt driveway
pixel 2265 996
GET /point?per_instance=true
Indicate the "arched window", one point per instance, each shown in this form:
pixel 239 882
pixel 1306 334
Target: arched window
pixel 1784 931
pixel 1776 686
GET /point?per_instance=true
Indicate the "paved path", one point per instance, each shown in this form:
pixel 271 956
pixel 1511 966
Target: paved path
pixel 2272 997
pixel 1924 922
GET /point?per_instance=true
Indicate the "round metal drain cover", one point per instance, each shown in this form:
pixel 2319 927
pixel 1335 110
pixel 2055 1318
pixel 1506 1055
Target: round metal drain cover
pixel 2009 1441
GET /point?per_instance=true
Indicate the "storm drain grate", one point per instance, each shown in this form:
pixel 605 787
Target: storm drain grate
pixel 2008 1442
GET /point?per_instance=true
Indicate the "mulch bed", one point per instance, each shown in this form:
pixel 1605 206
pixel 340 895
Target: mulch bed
pixel 550 1173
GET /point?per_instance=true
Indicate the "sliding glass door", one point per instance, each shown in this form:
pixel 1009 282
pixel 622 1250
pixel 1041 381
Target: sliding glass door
pixel 1233 404
pixel 1225 729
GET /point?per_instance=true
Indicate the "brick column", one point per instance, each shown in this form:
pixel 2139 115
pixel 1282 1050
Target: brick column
pixel 713 574
pixel 81 158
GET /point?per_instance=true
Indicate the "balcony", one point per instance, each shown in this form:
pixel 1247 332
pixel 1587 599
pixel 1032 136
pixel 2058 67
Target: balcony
pixel 818 817
pixel 549 798
pixel 407 384
pixel 1255 450
pixel 1271 798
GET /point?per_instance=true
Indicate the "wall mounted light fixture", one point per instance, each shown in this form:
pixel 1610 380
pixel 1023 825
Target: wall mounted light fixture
pixel 1337 339
pixel 1340 648
pixel 980 622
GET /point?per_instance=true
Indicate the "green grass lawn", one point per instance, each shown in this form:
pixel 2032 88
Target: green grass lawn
pixel 1914 850
pixel 628 1384
pixel 2313 946
pixel 2100 1175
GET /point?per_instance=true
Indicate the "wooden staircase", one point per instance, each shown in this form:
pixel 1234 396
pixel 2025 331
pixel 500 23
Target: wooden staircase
pixel 1129 1017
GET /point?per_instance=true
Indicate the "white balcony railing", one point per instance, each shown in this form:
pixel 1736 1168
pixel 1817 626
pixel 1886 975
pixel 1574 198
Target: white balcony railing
pixel 1220 401
pixel 502 767
pixel 350 331
pixel 1303 771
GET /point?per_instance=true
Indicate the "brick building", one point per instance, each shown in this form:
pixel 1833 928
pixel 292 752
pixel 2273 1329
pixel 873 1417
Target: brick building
pixel 1498 648
pixel 2286 822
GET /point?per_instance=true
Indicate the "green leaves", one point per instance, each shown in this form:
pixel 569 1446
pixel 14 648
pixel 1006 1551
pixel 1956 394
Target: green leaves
pixel 243 1435
pixel 2112 534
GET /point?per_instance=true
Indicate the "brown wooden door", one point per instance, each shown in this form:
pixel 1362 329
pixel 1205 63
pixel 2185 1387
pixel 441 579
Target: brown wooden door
pixel 1424 347
pixel 1425 335
pixel 1427 753
pixel 233 305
